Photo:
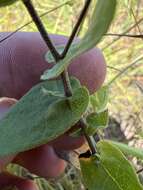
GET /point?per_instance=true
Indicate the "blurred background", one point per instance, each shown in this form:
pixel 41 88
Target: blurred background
pixel 124 56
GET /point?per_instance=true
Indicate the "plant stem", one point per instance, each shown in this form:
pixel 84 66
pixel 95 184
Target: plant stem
pixel 81 123
pixel 125 69
pixel 88 139
pixel 81 18
pixel 139 171
pixel 125 32
pixel 33 13
pixel 57 57
pixel 66 83
pixel 125 35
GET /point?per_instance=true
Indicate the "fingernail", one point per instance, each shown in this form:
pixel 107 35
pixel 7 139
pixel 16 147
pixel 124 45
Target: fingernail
pixel 5 104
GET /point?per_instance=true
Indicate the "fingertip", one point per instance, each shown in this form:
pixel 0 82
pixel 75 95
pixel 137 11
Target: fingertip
pixel 4 161
pixel 67 142
pixel 10 181
pixel 41 161
pixel 90 69
pixel 5 104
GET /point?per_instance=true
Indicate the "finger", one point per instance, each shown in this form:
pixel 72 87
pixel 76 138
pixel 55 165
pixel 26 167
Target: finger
pixel 41 161
pixel 43 156
pixel 5 104
pixel 9 181
pixel 22 62
pixel 66 142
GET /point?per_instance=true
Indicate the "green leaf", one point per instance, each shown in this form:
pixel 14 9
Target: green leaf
pixel 108 170
pixel 137 152
pixel 99 24
pixel 117 166
pixel 40 117
pixel 75 83
pixel 95 177
pixel 6 2
pixel 97 121
pixel 99 99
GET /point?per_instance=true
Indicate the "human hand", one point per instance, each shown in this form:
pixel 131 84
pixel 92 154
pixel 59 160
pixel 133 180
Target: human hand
pixel 21 64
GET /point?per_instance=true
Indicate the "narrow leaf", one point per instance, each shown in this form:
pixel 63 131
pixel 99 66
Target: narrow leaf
pixel 99 24
pixel 140 86
pixel 39 118
pixel 97 121
pixel 137 152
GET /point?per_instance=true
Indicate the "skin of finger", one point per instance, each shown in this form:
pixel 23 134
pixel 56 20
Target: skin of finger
pixel 9 180
pixel 67 142
pixel 41 161
pixel 5 104
pixel 43 156
pixel 22 59
pixel 22 62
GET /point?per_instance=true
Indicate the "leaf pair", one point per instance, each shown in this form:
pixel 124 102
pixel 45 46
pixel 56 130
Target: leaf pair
pixel 109 170
pixel 99 24
pixel 41 116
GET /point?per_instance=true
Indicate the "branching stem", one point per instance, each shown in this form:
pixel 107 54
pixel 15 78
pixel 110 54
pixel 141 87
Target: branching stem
pixel 75 30
pixel 65 77
pixel 33 13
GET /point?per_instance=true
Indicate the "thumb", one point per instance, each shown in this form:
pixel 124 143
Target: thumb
pixel 5 105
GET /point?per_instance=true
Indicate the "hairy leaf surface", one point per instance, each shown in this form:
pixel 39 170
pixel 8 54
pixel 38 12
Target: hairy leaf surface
pixel 40 117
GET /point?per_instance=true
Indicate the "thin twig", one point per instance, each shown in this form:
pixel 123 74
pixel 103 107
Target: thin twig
pixel 33 13
pixel 136 21
pixel 66 83
pixel 125 32
pixel 125 69
pixel 30 22
pixel 125 35
pixel 57 57
pixel 77 153
pixel 139 171
pixel 81 18
pixel 89 140
pixel 139 85
pixel 113 68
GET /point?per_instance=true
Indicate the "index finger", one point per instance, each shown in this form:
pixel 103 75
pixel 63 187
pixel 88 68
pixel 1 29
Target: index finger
pixel 22 62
